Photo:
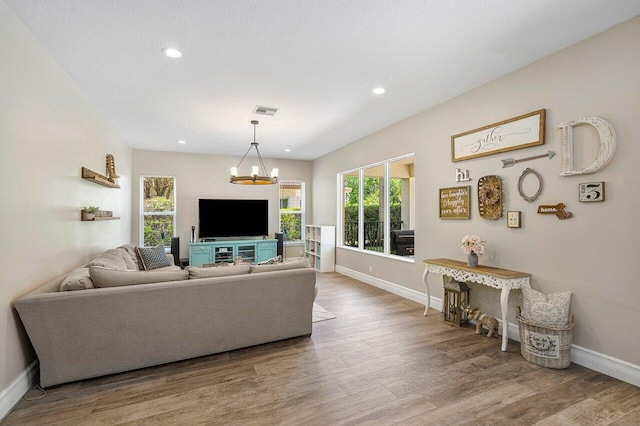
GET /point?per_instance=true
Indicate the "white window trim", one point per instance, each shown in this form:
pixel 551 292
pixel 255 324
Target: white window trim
pixel 387 209
pixel 165 213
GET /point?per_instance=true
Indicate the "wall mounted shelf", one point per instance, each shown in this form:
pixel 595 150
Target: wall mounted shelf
pixel 99 215
pixel 94 177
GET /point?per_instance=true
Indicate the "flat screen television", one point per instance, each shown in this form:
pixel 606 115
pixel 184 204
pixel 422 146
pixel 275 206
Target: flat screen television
pixel 233 218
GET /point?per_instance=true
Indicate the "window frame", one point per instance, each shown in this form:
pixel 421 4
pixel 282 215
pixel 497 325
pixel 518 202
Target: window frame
pixel 173 213
pixel 387 208
pixel 302 211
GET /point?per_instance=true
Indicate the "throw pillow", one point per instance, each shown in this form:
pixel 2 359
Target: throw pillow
pixel 78 279
pixel 277 259
pixel 133 254
pixel 153 257
pixel 195 272
pixel 289 264
pixel 104 277
pixel 550 310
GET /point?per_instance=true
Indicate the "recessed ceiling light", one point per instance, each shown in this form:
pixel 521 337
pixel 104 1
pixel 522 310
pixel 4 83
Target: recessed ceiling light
pixel 172 53
pixel 182 142
pixel 378 91
pixel 287 150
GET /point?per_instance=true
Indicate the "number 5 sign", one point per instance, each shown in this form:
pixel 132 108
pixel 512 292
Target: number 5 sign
pixel 591 191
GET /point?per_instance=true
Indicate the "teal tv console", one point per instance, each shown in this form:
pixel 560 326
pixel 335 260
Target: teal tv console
pixel 252 251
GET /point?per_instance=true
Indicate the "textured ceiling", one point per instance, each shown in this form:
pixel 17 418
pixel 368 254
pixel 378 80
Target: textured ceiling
pixel 315 60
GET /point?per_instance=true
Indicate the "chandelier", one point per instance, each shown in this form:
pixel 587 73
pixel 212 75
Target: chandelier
pixel 255 178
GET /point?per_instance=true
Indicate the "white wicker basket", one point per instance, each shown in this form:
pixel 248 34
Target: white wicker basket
pixel 544 345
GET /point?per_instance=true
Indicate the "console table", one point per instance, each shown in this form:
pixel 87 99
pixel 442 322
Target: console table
pixel 503 279
pixel 252 251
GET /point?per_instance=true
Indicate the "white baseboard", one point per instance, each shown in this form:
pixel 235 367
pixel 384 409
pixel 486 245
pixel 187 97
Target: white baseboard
pixel 401 291
pixel 12 394
pixel 605 364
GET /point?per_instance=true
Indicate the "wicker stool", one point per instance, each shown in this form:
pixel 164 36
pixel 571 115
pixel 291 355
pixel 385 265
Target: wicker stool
pixel 546 346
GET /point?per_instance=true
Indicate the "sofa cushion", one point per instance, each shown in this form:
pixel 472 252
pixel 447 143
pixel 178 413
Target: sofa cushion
pixel 111 259
pixel 153 257
pixel 78 279
pixel 128 260
pixel 133 255
pixel 301 262
pixel 239 269
pixel 104 277
pixel 550 310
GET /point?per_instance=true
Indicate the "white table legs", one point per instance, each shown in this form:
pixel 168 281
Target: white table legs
pixel 426 288
pixel 504 308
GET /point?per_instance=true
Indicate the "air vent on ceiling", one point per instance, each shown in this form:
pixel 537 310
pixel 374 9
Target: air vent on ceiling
pixel 265 110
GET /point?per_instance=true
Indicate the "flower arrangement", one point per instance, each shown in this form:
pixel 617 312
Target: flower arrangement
pixel 472 244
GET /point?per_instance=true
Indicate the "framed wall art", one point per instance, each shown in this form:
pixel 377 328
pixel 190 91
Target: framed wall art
pixel 591 191
pixel 513 219
pixel 455 203
pixel 508 135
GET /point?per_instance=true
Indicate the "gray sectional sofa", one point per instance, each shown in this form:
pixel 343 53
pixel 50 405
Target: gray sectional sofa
pixel 120 327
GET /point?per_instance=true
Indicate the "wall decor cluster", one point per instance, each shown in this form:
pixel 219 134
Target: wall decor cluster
pixel 527 172
pixel 590 192
pixel 490 197
pixel 508 135
pixel 508 162
pixel 558 210
pixel 455 203
pixel 608 143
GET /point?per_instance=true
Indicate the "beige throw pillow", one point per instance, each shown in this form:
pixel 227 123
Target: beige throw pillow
pixel 111 259
pixel 78 279
pixel 240 269
pixel 550 310
pixel 104 277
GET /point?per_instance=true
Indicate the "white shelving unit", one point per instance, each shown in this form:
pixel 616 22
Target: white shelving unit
pixel 320 247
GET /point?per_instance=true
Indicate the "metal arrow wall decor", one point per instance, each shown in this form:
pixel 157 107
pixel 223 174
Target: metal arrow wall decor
pixel 510 161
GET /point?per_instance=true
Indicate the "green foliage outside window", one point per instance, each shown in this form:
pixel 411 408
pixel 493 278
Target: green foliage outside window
pixel 158 196
pixel 291 225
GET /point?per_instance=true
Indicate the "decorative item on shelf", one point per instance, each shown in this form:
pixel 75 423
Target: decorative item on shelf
pixel 475 314
pixel 513 219
pixel 591 192
pixel 608 143
pixel 472 245
pixel 490 197
pixel 255 178
pixel 455 203
pixel 111 169
pixel 508 162
pixel 456 297
pixel 515 133
pixel 527 172
pixel 89 212
pixel 558 210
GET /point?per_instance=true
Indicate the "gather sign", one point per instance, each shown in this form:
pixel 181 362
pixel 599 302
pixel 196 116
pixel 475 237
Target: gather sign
pixel 454 203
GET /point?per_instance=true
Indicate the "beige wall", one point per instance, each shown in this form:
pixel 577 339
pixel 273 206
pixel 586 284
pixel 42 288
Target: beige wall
pixel 207 176
pixel 48 131
pixel 594 253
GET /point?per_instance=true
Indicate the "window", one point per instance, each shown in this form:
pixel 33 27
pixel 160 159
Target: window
pixel 292 210
pixel 158 206
pixel 377 210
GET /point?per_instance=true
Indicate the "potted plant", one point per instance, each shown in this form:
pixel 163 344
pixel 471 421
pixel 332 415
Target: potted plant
pixel 89 212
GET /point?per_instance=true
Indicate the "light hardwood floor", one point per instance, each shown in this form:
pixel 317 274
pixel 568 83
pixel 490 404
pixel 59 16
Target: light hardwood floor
pixel 380 362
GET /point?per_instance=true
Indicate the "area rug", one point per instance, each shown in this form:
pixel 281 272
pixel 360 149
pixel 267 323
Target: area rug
pixel 321 314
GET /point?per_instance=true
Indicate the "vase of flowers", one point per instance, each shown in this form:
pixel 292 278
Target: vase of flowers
pixel 473 246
